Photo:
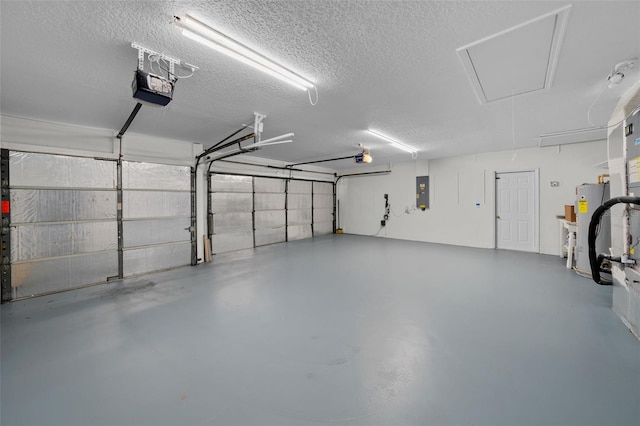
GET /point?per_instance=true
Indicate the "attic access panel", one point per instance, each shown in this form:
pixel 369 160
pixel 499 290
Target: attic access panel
pixel 515 61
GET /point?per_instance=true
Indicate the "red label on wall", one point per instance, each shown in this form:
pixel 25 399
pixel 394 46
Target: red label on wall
pixel 6 207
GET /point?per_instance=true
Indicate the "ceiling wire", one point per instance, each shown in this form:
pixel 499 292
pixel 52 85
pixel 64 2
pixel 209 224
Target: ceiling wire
pixel 594 102
pixel 309 93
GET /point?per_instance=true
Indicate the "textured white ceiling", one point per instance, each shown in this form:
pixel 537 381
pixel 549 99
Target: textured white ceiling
pixel 387 65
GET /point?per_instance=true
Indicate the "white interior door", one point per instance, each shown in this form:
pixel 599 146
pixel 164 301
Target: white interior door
pixel 516 226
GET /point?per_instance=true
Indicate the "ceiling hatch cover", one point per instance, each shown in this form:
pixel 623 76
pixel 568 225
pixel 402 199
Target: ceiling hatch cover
pixel 518 60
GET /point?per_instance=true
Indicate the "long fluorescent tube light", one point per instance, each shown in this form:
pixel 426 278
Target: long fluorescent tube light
pixel 202 33
pixel 394 143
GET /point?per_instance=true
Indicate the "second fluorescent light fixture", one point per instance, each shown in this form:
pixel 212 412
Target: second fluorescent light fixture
pixel 393 142
pixel 202 33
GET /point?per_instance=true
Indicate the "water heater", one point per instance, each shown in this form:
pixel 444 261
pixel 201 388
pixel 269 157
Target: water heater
pixel 589 197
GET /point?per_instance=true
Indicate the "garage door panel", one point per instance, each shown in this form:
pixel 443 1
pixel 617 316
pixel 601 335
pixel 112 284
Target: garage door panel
pixel 157 217
pixel 141 204
pixel 232 222
pixel 269 185
pixel 156 258
pixel 222 202
pixel 299 187
pixel 322 215
pixel 156 231
pixel 323 188
pixel 31 242
pixel 46 170
pixel 269 201
pixel 322 201
pixel 231 183
pixel 299 232
pixel 299 217
pixel 299 201
pixel 221 243
pixel 55 205
pixel 270 236
pixel 155 176
pixel 322 228
pixel 270 219
pixel 46 276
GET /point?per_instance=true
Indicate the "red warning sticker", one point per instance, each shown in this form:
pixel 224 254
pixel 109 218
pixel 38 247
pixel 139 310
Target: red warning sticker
pixel 6 207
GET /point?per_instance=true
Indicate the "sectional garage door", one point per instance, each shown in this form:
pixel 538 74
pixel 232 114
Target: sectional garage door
pixel 64 221
pixel 253 211
pixel 64 232
pixel 323 200
pixel 156 213
pixel 270 213
pixel 230 213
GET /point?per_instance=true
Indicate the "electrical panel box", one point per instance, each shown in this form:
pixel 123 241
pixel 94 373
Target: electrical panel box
pixel 422 192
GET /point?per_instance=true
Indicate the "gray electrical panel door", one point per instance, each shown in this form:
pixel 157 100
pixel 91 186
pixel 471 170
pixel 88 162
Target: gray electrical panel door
pixel 422 192
pixel 322 208
pixel 156 214
pixel 231 223
pixel 64 228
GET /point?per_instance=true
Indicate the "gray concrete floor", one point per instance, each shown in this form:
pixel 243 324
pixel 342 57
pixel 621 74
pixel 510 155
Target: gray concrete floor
pixel 342 329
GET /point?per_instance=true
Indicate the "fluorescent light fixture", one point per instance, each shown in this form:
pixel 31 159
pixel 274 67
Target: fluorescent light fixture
pixel 393 142
pixel 203 33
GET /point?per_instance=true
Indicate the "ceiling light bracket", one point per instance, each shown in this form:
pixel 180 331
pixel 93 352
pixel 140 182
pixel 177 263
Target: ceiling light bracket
pixel 617 73
pixel 258 125
pixel 169 59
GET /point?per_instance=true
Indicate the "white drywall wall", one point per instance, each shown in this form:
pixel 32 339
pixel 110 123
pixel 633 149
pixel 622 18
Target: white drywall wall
pixel 456 185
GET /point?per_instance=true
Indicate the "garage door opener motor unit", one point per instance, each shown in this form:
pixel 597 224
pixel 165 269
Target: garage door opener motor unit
pixel 155 89
pixel 152 88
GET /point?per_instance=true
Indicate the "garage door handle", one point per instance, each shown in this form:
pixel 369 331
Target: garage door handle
pixel 497 217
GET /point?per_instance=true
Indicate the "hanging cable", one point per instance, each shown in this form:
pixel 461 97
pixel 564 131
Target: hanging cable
pixel 593 104
pixel 309 93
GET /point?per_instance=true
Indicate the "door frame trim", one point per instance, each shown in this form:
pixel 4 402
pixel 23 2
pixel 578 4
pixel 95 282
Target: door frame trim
pixel 536 206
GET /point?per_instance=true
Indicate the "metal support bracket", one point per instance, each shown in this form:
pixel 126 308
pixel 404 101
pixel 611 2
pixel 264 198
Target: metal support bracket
pixel 171 60
pixel 258 126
